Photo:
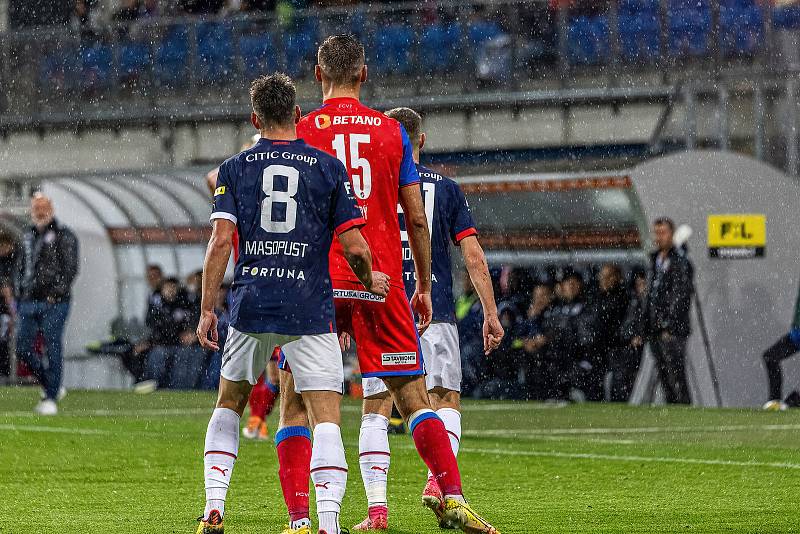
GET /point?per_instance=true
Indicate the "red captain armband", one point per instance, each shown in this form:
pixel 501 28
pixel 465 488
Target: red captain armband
pixel 465 233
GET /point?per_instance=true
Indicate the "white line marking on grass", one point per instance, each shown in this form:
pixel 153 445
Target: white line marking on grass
pixel 55 429
pixel 503 432
pixel 622 458
pixel 119 413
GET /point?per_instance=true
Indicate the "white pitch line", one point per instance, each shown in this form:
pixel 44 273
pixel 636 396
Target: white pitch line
pixel 623 430
pixel 118 413
pixel 54 429
pixel 622 458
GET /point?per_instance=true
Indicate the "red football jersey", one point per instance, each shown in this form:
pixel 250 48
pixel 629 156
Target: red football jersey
pixel 378 156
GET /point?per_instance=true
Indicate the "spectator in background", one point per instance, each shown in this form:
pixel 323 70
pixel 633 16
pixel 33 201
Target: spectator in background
pixel 8 308
pixel 202 7
pixel 624 364
pixel 608 310
pixel 175 359
pixel 128 11
pixel 469 318
pixel 563 327
pixel 532 339
pixel 213 364
pixel 669 300
pixel 785 347
pixel 194 288
pixel 45 274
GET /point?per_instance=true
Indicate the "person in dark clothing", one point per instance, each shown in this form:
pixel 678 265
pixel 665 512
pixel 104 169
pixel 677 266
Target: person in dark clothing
pixel 624 364
pixel 8 307
pixel 608 312
pixel 669 301
pixel 45 273
pixel 785 347
pixel 469 317
pixel 564 325
pixel 532 340
pixel 175 359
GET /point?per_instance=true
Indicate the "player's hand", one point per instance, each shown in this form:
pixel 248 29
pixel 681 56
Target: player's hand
pixel 423 307
pixel 207 331
pixel 380 284
pixel 492 334
pixel 344 341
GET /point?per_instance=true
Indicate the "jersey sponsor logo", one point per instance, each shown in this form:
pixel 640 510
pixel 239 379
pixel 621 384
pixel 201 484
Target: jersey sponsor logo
pixel 274 272
pixel 219 191
pixel 357 295
pixel 322 121
pixel 276 154
pixel 399 358
pixel 344 120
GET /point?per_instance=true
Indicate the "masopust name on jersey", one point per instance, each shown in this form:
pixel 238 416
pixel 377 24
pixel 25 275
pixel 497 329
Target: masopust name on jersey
pixel 276 248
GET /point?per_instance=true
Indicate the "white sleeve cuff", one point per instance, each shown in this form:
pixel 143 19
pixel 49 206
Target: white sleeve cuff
pixel 224 215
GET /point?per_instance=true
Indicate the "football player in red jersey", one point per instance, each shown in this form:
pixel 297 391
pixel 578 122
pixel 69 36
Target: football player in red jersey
pixel 265 392
pixel 379 158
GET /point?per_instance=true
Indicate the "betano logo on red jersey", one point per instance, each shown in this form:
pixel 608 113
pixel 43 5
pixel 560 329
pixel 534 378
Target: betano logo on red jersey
pixel 323 121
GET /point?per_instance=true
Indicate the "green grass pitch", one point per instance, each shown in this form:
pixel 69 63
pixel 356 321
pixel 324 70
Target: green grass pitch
pixel 122 463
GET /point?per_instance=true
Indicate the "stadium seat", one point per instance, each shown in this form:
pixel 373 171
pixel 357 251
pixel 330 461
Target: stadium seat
pixel 134 59
pixel 741 30
pixel 439 45
pixel 258 54
pixel 214 52
pixel 393 49
pixel 639 36
pixel 172 56
pixel 787 17
pixel 481 31
pixel 300 43
pixel 588 40
pixel 96 66
pixel 60 69
pixel 689 31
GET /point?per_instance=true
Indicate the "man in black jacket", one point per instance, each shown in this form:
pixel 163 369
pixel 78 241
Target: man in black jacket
pixel 608 311
pixel 45 272
pixel 669 300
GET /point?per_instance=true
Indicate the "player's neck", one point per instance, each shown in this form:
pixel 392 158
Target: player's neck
pixel 280 134
pixel 332 91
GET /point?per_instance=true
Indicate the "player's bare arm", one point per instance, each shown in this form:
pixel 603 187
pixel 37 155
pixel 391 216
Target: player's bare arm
pixel 358 255
pixel 217 255
pixel 211 180
pixel 478 270
pixel 419 240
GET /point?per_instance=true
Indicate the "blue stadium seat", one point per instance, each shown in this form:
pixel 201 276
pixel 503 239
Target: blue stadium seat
pixel 393 49
pixel 637 7
pixel 214 52
pixel 258 54
pixel 439 46
pixel 481 31
pixel 172 56
pixel 786 18
pixel 96 66
pixel 61 69
pixel 301 46
pixel 639 36
pixel 134 59
pixel 689 31
pixel 588 40
pixel 741 30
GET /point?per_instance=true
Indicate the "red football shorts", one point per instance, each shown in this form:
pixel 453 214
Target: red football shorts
pixel 383 329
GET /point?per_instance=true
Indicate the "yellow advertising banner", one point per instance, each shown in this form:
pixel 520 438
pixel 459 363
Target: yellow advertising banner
pixel 737 236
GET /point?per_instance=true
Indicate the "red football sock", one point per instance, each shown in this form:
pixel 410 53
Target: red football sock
pixel 258 399
pixel 270 395
pixel 294 459
pixel 433 445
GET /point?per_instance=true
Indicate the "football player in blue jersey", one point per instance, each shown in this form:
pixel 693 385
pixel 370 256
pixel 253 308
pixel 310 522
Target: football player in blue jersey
pixel 449 220
pixel 286 201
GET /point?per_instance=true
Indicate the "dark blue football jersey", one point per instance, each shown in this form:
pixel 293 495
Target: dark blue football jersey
pixel 449 220
pixel 287 200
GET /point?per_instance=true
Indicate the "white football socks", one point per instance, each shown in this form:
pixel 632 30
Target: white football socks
pixel 329 475
pixel 452 423
pixel 221 449
pixel 374 456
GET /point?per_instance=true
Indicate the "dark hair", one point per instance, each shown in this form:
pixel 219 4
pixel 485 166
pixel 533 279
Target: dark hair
pixel 341 58
pixel 273 99
pixel 410 120
pixel 666 221
pixel 171 280
pixel 615 269
pixel 154 267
